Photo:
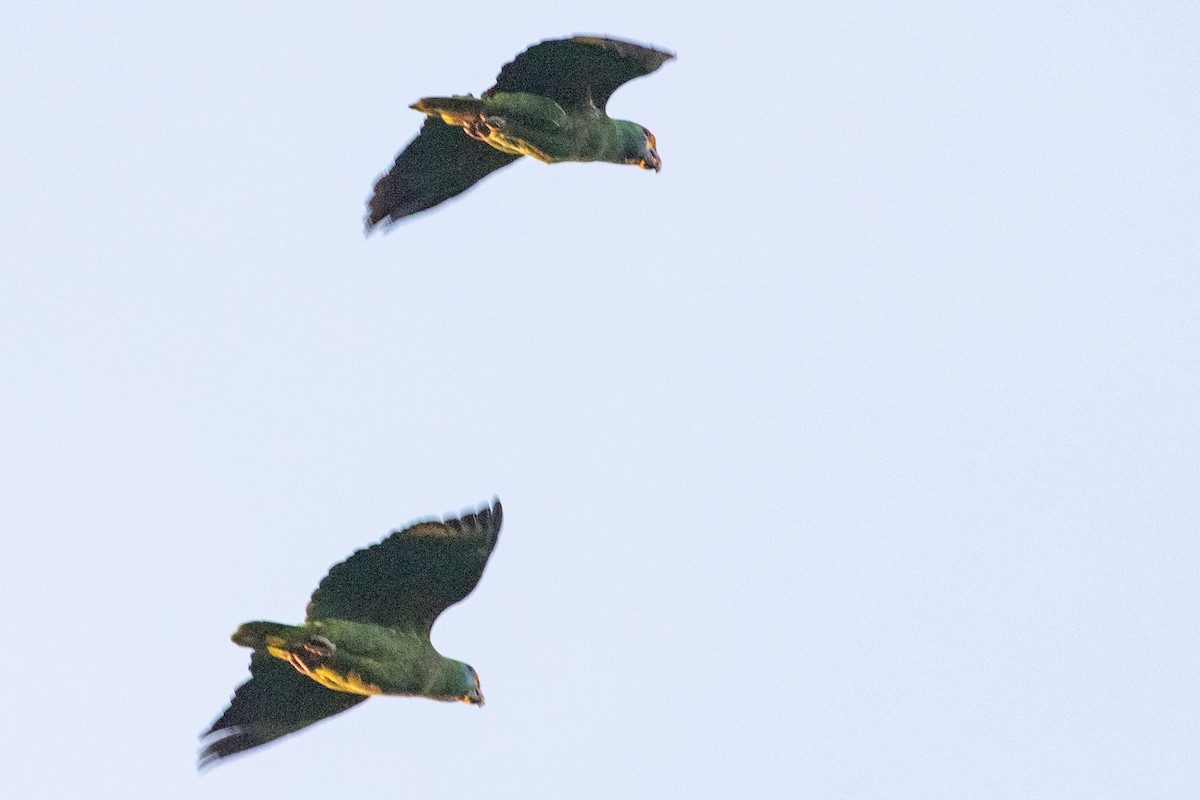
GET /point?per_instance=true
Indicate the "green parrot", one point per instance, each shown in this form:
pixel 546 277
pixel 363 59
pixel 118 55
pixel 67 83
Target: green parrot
pixel 547 103
pixel 366 632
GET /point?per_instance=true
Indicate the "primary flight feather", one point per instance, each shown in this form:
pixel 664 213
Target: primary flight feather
pixel 548 103
pixel 366 631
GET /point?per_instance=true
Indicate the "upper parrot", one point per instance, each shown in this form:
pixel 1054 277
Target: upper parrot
pixel 547 103
pixel 366 632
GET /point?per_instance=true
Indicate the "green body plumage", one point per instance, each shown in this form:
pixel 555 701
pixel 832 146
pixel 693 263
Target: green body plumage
pixel 367 659
pixel 366 633
pixel 528 125
pixel 548 103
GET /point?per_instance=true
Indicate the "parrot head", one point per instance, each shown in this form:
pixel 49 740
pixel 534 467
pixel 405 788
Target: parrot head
pixel 639 147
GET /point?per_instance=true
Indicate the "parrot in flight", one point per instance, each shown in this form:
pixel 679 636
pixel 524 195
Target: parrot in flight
pixel 366 632
pixel 548 103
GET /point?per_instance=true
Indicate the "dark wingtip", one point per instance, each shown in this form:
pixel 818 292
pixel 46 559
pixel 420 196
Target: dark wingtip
pixel 497 512
pixel 379 215
pixel 485 514
pixel 622 46
pixel 372 224
pixel 221 744
pixel 369 223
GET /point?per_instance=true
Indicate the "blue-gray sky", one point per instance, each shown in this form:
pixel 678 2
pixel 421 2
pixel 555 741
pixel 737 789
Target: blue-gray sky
pixel 853 455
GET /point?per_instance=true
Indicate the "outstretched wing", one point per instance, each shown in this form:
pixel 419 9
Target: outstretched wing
pixel 570 71
pixel 410 577
pixel 276 701
pixel 437 165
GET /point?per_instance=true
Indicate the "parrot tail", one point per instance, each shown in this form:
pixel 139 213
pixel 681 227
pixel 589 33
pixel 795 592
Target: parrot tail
pixel 263 635
pixel 457 111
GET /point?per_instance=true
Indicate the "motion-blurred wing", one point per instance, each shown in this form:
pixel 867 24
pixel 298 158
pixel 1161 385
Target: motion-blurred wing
pixel 570 71
pixel 410 577
pixel 276 701
pixel 437 165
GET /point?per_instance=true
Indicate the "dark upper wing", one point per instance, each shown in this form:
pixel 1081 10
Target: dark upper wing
pixel 410 577
pixel 276 701
pixel 440 163
pixel 568 71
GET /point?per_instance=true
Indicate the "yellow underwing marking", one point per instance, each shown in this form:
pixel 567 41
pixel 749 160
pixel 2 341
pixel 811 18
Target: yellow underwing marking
pixel 455 120
pixel 351 682
pixel 518 147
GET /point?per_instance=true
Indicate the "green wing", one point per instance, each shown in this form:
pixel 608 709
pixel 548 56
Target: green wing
pixel 441 162
pixel 570 71
pixel 413 575
pixel 276 701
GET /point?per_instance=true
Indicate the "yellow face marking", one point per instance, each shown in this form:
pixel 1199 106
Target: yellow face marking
pixel 652 141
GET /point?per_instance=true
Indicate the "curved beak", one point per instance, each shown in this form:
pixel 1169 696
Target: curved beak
pixel 653 162
pixel 473 697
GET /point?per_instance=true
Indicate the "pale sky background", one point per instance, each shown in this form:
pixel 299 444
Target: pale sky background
pixel 854 455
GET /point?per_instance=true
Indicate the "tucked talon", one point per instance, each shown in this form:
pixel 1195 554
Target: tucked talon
pixel 319 645
pixel 477 129
pixel 312 653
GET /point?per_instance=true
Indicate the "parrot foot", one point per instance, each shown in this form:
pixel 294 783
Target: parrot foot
pixel 483 127
pixel 312 653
